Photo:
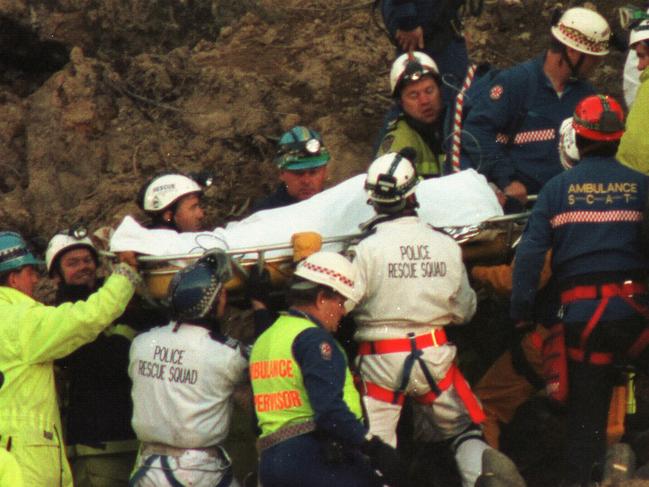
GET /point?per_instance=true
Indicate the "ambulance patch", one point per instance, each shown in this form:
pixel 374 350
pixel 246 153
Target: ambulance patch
pixel 496 92
pixel 325 351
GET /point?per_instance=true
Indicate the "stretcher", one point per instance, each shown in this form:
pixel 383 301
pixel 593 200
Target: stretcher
pixel 461 204
pixel 490 242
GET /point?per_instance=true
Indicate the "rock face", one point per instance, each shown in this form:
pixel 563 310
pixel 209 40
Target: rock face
pixel 97 95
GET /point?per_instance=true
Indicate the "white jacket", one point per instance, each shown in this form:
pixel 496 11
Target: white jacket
pixel 409 277
pixel 182 386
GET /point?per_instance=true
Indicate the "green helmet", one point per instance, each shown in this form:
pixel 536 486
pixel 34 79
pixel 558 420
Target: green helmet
pixel 301 148
pixel 14 252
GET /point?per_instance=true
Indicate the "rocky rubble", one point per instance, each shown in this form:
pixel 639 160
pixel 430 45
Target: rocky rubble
pixel 191 85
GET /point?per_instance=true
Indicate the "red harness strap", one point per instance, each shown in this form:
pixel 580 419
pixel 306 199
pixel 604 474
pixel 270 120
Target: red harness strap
pixel 435 338
pixel 453 376
pixel 628 288
pixel 625 290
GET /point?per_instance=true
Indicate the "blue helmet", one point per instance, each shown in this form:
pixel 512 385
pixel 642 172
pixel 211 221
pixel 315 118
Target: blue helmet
pixel 301 148
pixel 14 252
pixel 194 289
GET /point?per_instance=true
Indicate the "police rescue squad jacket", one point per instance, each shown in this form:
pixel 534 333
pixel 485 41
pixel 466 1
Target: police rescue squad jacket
pixel 183 381
pixel 32 335
pixel 591 218
pixel 634 146
pixel 409 277
pixel 533 157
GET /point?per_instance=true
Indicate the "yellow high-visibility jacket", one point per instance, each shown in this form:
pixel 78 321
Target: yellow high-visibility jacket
pixel 32 335
pixel 10 474
pixel 634 146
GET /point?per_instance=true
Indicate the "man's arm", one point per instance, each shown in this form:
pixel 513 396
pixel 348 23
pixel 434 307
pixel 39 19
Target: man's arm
pixel 323 367
pixel 492 115
pixel 402 21
pixel 43 333
pixel 530 257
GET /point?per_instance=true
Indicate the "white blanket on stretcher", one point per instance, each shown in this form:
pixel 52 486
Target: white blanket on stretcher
pixel 460 199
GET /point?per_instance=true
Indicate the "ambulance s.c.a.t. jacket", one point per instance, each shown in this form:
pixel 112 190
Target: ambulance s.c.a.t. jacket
pixel 591 218
pixel 521 103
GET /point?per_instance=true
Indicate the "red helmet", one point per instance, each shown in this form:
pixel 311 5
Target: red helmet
pixel 599 117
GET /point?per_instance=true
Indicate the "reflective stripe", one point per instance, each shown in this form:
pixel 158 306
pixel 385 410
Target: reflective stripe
pixel 530 136
pixel 595 217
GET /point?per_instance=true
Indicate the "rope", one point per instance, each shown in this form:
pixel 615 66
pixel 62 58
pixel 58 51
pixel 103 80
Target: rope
pixel 457 118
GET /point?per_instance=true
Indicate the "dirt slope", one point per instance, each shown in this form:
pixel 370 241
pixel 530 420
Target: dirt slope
pixel 196 85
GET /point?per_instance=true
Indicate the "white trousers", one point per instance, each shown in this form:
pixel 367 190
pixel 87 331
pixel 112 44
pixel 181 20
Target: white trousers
pixel 445 418
pixel 193 467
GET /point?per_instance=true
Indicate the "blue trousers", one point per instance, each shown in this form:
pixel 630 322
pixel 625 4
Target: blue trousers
pixel 591 387
pixel 300 461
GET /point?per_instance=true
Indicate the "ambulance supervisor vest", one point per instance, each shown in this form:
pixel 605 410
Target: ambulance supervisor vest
pixel 280 396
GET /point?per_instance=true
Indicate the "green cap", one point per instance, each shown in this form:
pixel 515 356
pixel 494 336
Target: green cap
pixel 301 148
pixel 14 252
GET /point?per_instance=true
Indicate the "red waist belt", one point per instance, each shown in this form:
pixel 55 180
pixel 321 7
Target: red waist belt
pixel 604 292
pixel 628 288
pixel 435 338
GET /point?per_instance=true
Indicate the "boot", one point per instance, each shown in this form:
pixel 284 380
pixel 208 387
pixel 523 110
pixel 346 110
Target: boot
pixel 620 463
pixel 498 471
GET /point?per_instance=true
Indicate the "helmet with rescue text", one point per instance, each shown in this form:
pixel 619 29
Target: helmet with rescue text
pixel 167 199
pixel 391 182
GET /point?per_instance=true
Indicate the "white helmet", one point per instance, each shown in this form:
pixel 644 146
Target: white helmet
pixel 391 178
pixel 329 269
pixel 584 30
pixel 165 190
pixel 64 241
pixel 639 33
pixel 568 152
pixel 411 67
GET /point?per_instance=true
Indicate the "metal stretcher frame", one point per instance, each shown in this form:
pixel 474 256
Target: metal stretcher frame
pixel 157 271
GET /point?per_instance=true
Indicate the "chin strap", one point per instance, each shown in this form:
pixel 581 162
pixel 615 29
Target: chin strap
pixel 574 68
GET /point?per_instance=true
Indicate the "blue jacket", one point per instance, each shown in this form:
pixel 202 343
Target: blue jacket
pixel 324 378
pixel 521 101
pixel 408 14
pixel 591 218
